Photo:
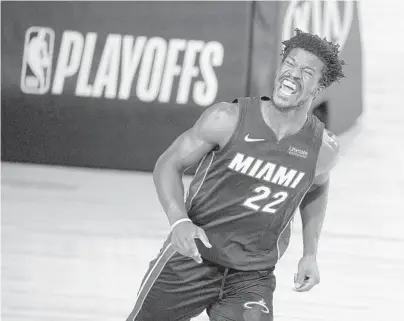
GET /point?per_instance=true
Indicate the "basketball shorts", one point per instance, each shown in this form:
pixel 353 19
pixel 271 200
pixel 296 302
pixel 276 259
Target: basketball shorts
pixel 176 288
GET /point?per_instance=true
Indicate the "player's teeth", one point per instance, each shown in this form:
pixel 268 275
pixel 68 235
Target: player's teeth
pixel 286 91
pixel 290 84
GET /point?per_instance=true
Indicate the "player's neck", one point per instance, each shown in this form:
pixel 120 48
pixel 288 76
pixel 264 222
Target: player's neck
pixel 284 123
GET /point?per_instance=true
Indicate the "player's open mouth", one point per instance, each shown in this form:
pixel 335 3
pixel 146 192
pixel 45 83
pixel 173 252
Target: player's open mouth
pixel 288 87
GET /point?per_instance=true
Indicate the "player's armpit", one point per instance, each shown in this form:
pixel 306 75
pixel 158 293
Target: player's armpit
pixel 213 129
pixel 318 189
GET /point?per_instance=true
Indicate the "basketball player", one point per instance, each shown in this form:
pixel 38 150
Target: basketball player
pixel 259 160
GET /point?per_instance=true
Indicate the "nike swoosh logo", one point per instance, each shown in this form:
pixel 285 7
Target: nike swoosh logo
pixel 248 139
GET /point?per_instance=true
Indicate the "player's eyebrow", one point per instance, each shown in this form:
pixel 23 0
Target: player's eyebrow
pixel 311 68
pixel 303 66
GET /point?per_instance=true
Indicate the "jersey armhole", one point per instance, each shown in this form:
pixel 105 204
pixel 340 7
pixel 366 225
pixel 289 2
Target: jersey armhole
pixel 241 106
pixel 319 133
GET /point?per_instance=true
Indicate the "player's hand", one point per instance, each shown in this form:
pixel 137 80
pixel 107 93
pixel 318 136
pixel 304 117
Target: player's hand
pixel 183 238
pixel 307 274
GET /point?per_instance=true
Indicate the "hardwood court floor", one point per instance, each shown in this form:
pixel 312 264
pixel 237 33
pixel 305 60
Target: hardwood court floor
pixel 76 242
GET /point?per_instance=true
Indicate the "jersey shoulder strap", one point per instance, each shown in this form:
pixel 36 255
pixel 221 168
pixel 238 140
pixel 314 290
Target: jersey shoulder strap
pixel 246 106
pixel 250 113
pixel 317 128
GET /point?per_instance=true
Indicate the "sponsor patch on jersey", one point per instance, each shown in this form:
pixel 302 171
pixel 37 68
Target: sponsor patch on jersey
pixel 297 152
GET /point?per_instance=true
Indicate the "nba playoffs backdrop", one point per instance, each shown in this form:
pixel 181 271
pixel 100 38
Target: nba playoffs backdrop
pixel 111 85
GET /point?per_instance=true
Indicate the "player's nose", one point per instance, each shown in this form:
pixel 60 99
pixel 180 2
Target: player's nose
pixel 295 73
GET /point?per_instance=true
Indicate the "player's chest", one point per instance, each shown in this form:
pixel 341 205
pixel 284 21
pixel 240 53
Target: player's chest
pixel 251 156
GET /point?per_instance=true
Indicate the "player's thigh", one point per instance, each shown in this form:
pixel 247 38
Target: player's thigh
pixel 175 288
pixel 247 297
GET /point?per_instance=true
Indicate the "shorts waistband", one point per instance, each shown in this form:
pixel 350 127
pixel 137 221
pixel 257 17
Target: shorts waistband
pixel 229 271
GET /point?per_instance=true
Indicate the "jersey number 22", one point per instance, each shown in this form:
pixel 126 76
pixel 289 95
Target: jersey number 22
pixel 264 193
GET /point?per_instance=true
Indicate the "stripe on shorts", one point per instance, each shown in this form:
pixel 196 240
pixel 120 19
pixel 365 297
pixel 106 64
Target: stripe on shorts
pixel 151 277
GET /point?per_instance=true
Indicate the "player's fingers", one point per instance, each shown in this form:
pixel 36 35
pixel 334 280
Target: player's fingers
pixel 179 248
pixel 306 285
pixel 186 247
pixel 193 250
pixel 299 279
pixel 185 252
pixel 200 234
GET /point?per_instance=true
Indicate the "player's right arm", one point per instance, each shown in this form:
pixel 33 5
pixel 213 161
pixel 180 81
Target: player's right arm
pixel 213 129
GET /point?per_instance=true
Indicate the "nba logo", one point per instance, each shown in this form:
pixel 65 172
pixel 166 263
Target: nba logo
pixel 37 60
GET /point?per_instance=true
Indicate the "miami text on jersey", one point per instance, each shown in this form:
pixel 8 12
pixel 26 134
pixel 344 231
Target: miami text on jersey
pixel 266 171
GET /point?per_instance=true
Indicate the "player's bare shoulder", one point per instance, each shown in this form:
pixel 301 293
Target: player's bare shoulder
pixel 329 151
pixel 218 122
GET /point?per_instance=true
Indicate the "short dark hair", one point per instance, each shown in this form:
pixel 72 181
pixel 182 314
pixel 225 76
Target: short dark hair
pixel 323 49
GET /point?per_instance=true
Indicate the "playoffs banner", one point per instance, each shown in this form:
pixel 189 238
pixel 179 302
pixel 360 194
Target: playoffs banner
pixel 110 72
pixel 112 84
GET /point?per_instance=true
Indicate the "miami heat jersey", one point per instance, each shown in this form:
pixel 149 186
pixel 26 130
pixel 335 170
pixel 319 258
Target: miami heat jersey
pixel 245 195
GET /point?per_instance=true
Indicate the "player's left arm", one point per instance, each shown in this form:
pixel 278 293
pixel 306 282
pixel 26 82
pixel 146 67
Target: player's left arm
pixel 313 206
pixel 312 210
